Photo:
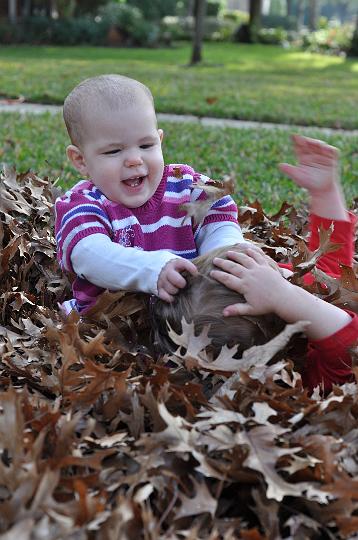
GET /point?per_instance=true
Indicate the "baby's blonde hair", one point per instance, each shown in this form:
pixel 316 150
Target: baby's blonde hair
pixel 102 92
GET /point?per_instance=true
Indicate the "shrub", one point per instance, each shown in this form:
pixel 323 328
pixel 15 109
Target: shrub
pixel 130 24
pixel 235 15
pixel 225 30
pixel 272 36
pixel 42 30
pixel 123 16
pixel 145 33
pixel 213 8
pixel 124 20
pixel 242 34
pixel 333 40
pixel 278 21
pixel 78 31
pixel 177 27
pixel 215 28
pixel 155 9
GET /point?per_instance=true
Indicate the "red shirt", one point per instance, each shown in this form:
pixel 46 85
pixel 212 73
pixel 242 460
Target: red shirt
pixel 329 360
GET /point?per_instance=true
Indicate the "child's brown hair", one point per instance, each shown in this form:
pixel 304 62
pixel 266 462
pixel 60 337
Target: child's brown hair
pixel 202 302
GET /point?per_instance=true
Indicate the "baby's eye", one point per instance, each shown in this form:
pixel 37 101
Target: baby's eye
pixel 145 146
pixel 111 152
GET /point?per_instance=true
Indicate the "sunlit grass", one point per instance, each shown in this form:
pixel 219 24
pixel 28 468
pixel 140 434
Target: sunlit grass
pixel 239 81
pixel 38 142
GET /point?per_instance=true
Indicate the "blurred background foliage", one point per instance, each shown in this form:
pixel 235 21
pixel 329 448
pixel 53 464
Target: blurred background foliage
pixel 315 25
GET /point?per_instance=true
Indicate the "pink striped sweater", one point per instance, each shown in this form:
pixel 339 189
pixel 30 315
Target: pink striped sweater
pixel 158 225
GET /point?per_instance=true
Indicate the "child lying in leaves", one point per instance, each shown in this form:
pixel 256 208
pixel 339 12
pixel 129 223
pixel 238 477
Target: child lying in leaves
pixel 245 299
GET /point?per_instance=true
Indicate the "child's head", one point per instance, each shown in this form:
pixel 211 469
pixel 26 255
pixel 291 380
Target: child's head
pixel 115 140
pixel 202 302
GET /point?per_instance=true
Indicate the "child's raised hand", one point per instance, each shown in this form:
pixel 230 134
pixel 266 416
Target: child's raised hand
pixel 251 275
pixel 317 168
pixel 170 279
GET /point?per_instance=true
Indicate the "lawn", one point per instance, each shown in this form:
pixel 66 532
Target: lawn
pixel 237 81
pixel 251 156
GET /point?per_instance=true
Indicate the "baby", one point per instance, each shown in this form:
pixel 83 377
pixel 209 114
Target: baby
pixel 124 227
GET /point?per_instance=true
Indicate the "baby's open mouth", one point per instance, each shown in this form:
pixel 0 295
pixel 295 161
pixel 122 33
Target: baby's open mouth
pixel 134 182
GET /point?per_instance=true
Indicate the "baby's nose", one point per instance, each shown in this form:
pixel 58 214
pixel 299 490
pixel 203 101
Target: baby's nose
pixel 133 159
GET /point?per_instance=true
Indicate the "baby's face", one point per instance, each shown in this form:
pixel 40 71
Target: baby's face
pixel 123 153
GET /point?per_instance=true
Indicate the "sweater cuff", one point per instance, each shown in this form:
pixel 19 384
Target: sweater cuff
pixel 340 340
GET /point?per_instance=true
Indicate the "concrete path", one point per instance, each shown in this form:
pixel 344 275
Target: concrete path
pixel 34 108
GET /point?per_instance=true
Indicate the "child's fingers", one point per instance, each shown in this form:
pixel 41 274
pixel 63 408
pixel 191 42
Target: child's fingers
pixel 316 146
pixel 163 295
pixel 303 142
pixel 184 264
pixel 231 267
pixel 312 159
pixel 237 258
pixel 227 266
pixel 299 145
pixel 175 280
pixel 237 310
pixel 172 289
pixel 230 281
pixel 306 143
pixel 303 175
pixel 290 170
pixel 305 146
pixel 258 256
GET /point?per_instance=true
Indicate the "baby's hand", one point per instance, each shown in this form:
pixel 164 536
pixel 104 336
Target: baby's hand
pixel 170 279
pixel 317 168
pixel 251 275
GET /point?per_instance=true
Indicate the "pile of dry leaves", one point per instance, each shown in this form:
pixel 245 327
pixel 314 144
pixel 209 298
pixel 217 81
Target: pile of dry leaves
pixel 100 440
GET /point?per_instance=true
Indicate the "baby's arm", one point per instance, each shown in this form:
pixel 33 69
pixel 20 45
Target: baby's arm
pixel 217 235
pixel 85 247
pixel 267 291
pixel 318 172
pixel 220 226
pixel 112 266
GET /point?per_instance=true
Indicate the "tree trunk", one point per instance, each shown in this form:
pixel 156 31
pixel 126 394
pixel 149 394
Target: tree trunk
pixel 300 13
pixel 198 33
pixel 353 51
pixel 50 8
pixel 26 8
pixel 289 8
pixel 254 18
pixel 12 10
pixel 313 10
pixel 190 8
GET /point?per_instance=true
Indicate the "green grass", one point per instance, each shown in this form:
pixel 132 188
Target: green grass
pixel 38 142
pixel 240 81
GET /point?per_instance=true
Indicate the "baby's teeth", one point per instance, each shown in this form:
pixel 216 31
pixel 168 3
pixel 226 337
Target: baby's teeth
pixel 134 181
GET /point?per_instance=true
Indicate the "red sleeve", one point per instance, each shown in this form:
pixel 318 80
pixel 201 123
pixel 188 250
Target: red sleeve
pixel 343 233
pixel 329 360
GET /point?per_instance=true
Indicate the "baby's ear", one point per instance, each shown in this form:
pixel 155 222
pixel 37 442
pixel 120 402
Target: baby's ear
pixel 161 134
pixel 76 157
